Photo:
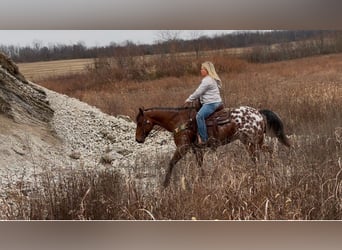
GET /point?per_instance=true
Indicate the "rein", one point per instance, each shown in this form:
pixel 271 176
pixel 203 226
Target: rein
pixel 155 131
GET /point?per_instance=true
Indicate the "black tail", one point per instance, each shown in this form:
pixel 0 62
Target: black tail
pixel 275 125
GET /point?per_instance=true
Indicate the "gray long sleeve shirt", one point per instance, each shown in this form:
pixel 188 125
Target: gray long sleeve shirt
pixel 208 91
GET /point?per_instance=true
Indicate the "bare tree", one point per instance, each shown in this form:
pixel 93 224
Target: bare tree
pixel 195 36
pixel 170 38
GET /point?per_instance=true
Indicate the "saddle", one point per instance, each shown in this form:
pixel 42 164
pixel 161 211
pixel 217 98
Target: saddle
pixel 220 116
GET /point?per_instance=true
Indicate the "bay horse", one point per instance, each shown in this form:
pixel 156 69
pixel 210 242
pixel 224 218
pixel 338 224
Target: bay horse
pixel 242 123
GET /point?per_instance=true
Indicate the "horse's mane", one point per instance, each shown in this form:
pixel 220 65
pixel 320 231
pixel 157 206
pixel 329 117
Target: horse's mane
pixel 169 108
pixel 165 108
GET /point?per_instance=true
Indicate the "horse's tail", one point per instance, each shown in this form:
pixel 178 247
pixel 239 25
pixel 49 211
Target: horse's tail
pixel 275 125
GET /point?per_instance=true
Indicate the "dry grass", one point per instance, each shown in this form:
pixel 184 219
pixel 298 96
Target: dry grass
pixel 306 93
pixel 301 183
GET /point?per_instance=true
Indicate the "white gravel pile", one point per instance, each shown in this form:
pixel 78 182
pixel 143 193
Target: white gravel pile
pixel 85 138
pixel 97 138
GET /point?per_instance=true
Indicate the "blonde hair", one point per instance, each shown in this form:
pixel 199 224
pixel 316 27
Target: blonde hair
pixel 209 67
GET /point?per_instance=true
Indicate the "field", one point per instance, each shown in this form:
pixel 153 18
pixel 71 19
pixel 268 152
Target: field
pixel 38 71
pixel 301 183
pixel 42 70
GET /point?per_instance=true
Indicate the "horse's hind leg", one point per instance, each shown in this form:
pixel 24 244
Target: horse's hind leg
pixel 250 146
pixel 268 149
pixel 262 146
pixel 252 150
pixel 179 153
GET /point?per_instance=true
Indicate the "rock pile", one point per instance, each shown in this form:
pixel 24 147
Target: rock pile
pixel 70 135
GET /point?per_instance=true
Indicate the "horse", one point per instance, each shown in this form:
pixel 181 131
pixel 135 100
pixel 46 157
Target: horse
pixel 243 123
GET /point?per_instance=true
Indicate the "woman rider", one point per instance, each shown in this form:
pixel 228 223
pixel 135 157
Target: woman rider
pixel 209 94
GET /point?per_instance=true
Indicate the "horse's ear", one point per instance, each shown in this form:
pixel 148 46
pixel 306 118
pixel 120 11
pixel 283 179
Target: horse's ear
pixel 141 110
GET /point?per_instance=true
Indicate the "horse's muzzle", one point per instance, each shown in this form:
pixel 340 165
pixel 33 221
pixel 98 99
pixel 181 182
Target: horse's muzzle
pixel 139 140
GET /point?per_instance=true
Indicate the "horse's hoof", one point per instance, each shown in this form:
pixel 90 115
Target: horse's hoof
pixel 201 145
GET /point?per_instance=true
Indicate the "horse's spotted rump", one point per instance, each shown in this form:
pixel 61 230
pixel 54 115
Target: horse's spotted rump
pixel 249 122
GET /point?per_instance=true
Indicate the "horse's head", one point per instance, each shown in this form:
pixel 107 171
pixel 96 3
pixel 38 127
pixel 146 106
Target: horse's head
pixel 144 126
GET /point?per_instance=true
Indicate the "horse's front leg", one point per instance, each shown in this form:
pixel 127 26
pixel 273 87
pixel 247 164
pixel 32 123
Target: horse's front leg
pixel 199 158
pixel 180 152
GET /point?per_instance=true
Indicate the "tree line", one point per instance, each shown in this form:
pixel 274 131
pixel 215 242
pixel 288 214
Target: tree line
pixel 168 43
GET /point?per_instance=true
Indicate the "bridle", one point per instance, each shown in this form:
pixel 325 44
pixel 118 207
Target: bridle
pixel 144 123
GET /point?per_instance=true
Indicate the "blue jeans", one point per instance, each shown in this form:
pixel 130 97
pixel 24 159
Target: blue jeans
pixel 205 111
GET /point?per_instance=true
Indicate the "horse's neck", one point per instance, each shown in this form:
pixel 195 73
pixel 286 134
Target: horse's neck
pixel 167 119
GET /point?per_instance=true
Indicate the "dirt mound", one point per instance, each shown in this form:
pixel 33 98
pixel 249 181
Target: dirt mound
pixel 20 100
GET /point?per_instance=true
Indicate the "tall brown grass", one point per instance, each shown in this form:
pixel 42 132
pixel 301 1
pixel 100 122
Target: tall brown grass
pixel 306 92
pixel 301 183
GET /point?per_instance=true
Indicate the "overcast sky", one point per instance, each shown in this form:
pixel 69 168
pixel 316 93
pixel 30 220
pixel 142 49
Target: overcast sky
pixel 91 37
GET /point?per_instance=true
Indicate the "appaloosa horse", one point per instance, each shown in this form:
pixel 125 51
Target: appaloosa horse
pixel 244 123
